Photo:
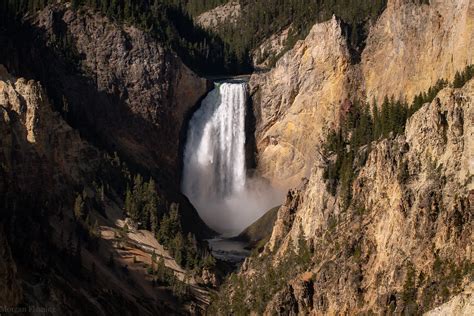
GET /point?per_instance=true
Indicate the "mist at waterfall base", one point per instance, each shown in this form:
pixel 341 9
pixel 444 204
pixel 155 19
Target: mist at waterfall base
pixel 215 175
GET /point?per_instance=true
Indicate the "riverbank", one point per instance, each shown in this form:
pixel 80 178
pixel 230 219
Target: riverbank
pixel 228 249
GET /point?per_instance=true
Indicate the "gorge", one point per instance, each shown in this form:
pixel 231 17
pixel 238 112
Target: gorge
pixel 142 174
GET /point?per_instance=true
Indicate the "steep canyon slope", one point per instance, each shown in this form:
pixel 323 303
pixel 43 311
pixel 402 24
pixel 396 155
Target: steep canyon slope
pixel 122 89
pixel 407 50
pixel 297 99
pixel 404 244
pixel 114 82
pixel 65 245
pixel 87 105
pixel 42 161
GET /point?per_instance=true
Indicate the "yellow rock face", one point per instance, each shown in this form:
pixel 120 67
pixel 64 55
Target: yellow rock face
pixel 297 100
pixel 412 46
pixel 424 220
pixel 408 49
pixel 29 124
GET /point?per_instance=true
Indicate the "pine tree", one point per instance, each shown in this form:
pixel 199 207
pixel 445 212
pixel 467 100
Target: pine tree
pixel 458 80
pixel 75 4
pixel 178 249
pixel 304 253
pixel 128 201
pixel 79 207
pixel 377 132
pixel 385 123
pixel 150 208
pixel 209 261
pixel 132 206
pixel 93 272
pixel 191 251
pixel 78 255
pixel 102 193
pixel 96 229
pixel 161 270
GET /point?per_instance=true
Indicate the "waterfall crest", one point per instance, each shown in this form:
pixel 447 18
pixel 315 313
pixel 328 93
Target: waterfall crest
pixel 214 175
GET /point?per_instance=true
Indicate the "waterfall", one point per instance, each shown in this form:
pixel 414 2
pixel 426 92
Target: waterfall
pixel 214 175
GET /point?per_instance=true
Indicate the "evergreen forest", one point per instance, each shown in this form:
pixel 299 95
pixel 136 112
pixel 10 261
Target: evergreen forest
pixel 226 49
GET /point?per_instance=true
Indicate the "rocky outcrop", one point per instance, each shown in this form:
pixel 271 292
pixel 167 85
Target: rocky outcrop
pixel 433 137
pixel 42 161
pixel 51 258
pixel 117 84
pixel 408 49
pixel 267 52
pixel 260 231
pixel 403 246
pixel 120 88
pixel 226 13
pixel 412 46
pixel 295 101
pixel 34 139
pixel 462 305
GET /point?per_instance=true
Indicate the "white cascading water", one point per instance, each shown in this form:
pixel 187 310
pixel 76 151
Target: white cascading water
pixel 214 175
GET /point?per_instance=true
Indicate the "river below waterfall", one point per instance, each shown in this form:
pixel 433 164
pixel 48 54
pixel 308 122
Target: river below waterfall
pixel 215 177
pixel 229 250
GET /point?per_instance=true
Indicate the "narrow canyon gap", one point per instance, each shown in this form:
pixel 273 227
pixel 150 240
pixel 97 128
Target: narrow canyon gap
pixel 215 174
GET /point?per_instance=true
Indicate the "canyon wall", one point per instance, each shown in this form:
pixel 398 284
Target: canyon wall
pixel 124 91
pixel 39 150
pixel 122 88
pixel 403 246
pixel 87 105
pixel 421 221
pixel 297 100
pixel 411 46
pixel 42 161
pixel 56 254
pixel 10 289
pixel 407 50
